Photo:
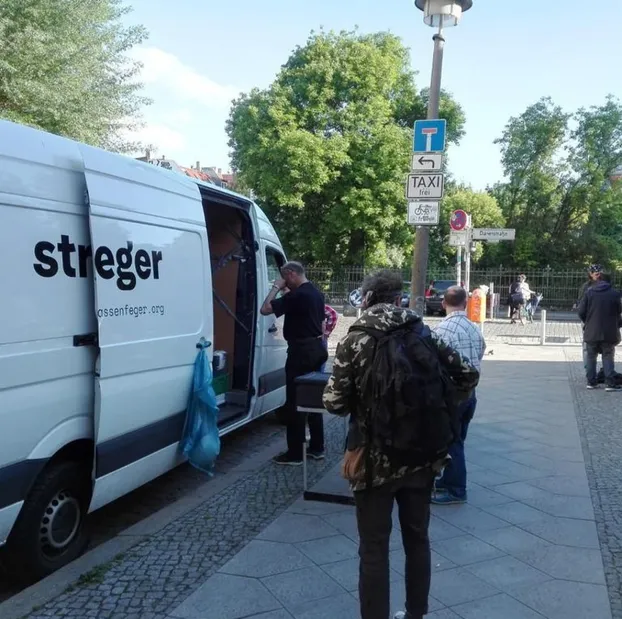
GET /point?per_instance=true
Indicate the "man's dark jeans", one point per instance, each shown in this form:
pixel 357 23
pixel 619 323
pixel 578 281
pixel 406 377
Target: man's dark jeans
pixel 302 358
pixel 374 510
pixel 592 350
pixel 454 478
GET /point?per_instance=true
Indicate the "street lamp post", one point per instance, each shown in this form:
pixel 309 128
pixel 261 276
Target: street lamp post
pixel 437 14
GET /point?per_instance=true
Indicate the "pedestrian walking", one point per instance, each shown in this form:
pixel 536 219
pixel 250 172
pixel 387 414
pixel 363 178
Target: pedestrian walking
pixel 600 311
pixel 398 382
pixel 464 337
pixel 330 322
pixel 303 308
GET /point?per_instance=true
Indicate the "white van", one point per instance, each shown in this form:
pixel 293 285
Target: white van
pixel 111 272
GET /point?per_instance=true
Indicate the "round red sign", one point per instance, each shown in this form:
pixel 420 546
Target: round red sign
pixel 458 220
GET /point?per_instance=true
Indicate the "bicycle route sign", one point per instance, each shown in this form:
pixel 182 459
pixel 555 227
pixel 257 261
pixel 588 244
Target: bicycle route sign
pixel 424 213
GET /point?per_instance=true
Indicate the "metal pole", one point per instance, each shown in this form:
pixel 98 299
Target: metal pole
pixel 467 265
pixel 422 236
pixel 458 265
pixel 543 327
pixel 491 292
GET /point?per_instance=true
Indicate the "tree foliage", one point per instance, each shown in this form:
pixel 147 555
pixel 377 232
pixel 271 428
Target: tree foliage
pixel 326 148
pixel 64 68
pixel 558 194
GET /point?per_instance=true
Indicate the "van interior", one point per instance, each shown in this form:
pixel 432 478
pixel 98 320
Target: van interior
pixel 234 281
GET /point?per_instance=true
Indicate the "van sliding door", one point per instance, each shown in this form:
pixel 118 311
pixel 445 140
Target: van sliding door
pixel 150 260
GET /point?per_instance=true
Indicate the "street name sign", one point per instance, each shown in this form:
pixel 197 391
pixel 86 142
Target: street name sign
pixel 424 213
pixel 427 162
pixel 430 135
pixel 457 238
pixel 425 186
pixel 494 234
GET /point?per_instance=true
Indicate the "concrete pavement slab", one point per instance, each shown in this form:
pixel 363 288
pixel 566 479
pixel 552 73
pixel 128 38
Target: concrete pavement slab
pixel 496 607
pixel 466 549
pixel 507 573
pixel 342 606
pixel 329 549
pixel 306 585
pixel 457 586
pixel 297 528
pixel 560 599
pixel 227 597
pixel 261 558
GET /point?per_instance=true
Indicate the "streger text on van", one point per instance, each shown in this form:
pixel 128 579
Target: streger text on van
pixel 145 263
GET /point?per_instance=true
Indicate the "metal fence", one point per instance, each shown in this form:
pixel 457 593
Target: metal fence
pixel 559 287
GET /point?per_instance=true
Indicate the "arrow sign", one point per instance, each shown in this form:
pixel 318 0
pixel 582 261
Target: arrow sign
pixel 427 162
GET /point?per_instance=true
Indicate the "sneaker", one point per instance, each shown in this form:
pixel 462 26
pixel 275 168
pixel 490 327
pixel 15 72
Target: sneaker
pixel 591 386
pixel 316 455
pixel 286 460
pixel 613 388
pixel 447 499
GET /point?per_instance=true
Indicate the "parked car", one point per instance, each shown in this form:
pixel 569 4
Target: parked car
pixel 434 295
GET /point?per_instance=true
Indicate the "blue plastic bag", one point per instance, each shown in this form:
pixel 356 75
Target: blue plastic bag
pixel 200 441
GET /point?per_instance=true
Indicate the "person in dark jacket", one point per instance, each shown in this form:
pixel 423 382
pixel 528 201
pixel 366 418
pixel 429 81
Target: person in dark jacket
pixel 593 277
pixel 600 311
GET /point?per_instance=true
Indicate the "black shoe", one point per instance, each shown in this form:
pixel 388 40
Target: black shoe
pixel 316 455
pixel 613 388
pixel 285 459
pixel 592 385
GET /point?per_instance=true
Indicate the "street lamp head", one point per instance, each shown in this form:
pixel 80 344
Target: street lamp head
pixel 443 13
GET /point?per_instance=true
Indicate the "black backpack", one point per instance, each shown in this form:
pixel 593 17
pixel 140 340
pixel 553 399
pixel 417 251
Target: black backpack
pixel 410 398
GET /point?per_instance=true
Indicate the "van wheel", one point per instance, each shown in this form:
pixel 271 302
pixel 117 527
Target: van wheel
pixel 51 529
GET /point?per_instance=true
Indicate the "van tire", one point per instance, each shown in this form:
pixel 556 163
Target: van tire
pixel 34 550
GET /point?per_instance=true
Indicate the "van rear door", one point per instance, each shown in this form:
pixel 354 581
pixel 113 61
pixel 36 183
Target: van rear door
pixel 153 303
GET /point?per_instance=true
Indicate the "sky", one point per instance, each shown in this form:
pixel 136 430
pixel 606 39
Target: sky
pixel 504 56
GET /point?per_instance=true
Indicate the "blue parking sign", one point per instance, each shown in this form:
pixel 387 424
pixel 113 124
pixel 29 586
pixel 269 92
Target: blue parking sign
pixel 430 136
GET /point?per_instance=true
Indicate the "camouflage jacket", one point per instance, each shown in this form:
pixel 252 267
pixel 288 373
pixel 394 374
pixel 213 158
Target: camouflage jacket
pixel 354 354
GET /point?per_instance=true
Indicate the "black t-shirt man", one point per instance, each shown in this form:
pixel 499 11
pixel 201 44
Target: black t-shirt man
pixel 303 309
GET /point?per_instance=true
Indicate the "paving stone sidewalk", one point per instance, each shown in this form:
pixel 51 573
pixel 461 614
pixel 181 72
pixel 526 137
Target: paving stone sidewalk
pixel 525 547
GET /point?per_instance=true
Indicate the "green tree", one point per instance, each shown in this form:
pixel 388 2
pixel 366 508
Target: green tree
pixel 64 68
pixel 557 194
pixel 326 148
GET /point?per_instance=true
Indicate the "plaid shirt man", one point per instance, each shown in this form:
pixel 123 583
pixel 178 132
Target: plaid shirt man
pixel 463 336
